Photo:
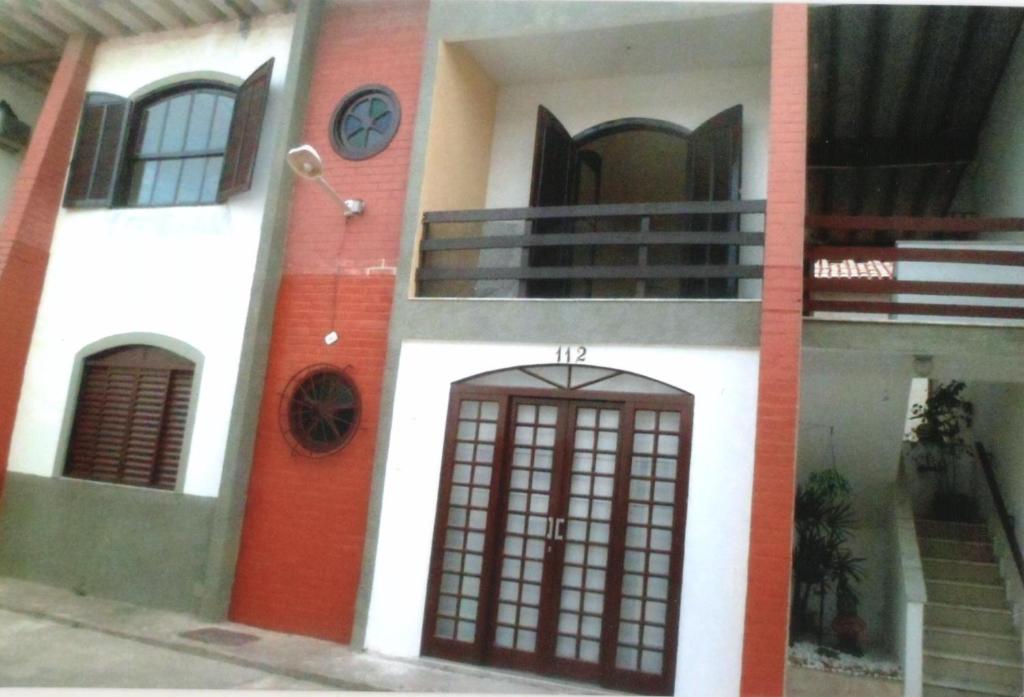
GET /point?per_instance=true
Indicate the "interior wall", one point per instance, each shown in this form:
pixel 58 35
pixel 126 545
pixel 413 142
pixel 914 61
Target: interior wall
pixel 183 272
pixel 458 154
pixel 27 103
pixel 724 385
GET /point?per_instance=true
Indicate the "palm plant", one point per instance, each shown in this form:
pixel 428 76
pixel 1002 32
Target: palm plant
pixel 821 561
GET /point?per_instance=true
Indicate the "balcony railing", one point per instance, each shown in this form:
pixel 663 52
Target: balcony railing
pixel 664 250
pixel 918 266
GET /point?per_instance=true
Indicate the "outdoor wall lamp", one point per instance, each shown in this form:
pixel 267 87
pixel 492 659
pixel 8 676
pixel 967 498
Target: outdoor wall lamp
pixel 305 161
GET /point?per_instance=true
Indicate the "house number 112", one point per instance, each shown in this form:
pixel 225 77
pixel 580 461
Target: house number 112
pixel 571 354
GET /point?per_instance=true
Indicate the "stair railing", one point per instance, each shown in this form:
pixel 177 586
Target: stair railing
pixel 999 503
pixel 1005 540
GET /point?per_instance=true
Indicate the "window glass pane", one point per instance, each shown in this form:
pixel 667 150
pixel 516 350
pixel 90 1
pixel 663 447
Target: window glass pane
pixel 212 180
pixel 152 128
pixel 174 128
pixel 191 183
pixel 198 136
pixel 221 122
pixel 166 182
pixel 142 182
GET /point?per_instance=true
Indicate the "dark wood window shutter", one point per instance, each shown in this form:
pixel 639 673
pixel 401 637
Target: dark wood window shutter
pixel 244 137
pixel 92 181
pixel 130 418
pixel 715 174
pixel 553 183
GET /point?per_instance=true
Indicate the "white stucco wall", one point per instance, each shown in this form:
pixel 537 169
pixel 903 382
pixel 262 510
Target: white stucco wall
pixel 999 425
pixel 994 184
pixel 27 103
pixel 685 98
pixel 183 272
pixel 724 384
pixel 853 408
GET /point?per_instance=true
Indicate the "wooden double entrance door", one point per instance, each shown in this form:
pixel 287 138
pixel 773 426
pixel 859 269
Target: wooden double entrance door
pixel 558 545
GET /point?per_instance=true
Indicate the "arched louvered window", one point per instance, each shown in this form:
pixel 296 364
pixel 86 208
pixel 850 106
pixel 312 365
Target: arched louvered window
pixel 130 417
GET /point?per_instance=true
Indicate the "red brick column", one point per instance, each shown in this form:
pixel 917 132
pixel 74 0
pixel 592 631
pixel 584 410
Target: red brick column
pixel 771 524
pixel 305 520
pixel 28 227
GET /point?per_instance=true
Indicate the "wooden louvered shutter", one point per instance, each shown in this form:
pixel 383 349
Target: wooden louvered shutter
pixel 244 136
pixel 130 419
pixel 102 131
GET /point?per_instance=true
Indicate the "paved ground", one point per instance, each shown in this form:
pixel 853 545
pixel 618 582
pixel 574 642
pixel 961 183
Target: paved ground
pixel 54 638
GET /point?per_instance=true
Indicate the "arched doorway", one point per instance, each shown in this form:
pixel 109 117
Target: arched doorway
pixel 636 161
pixel 558 542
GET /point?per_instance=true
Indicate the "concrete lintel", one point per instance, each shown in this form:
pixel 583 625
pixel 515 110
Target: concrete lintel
pixel 678 323
pixel 909 338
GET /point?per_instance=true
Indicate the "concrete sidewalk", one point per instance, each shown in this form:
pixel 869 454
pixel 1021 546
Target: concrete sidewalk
pixel 51 637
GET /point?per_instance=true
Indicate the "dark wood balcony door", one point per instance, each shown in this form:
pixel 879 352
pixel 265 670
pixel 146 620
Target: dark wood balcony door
pixel 574 567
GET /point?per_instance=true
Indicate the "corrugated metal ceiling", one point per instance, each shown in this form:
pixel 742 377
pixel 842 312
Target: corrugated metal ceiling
pixel 898 96
pixel 33 32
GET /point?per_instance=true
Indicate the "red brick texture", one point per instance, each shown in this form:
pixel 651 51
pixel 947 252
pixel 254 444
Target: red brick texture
pixel 771 524
pixel 305 520
pixel 28 227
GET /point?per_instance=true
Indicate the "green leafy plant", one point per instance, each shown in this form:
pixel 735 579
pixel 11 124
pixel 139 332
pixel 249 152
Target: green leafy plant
pixel 821 560
pixel 945 418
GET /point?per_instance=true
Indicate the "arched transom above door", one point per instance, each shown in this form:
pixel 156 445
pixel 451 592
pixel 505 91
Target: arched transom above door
pixel 571 378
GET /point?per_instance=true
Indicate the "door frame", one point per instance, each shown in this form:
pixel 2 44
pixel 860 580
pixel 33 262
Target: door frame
pixel 479 651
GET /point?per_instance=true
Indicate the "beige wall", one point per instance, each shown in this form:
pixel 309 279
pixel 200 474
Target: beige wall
pixel 458 145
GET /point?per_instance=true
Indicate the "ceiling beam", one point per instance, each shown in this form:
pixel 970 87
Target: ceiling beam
pixel 164 13
pixel 97 20
pixel 137 21
pixel 22 58
pixel 198 11
pixel 50 13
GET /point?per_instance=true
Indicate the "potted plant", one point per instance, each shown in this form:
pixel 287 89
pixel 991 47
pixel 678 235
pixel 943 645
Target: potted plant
pixel 944 419
pixel 821 561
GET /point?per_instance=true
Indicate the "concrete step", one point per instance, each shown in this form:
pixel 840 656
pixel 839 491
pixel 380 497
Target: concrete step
pixel 975 670
pixel 973 532
pixel 959 593
pixel 960 550
pixel 965 571
pixel 960 688
pixel 1002 646
pixel 976 619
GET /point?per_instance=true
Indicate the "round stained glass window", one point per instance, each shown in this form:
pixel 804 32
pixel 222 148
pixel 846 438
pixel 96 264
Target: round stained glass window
pixel 321 410
pixel 365 122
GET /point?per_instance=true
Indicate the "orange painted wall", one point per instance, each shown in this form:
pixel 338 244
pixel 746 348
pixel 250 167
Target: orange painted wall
pixel 771 524
pixel 28 226
pixel 305 520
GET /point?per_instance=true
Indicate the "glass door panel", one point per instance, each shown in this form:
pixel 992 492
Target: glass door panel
pixel 588 511
pixel 651 512
pixel 522 561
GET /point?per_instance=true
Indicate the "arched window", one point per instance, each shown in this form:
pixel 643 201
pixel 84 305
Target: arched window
pixel 191 144
pixel 130 417
pixel 177 146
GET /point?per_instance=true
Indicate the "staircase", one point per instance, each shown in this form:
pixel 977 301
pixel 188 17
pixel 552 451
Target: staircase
pixel 971 648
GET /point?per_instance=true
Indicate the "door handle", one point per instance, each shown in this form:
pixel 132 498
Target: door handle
pixel 554 528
